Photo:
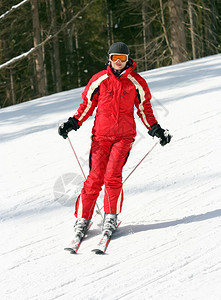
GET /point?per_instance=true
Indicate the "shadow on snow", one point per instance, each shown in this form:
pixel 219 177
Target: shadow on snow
pixel 131 229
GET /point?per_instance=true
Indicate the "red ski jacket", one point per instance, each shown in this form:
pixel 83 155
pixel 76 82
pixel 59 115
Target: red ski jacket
pixel 115 98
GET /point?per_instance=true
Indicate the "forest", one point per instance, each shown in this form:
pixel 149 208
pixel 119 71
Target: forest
pixel 49 46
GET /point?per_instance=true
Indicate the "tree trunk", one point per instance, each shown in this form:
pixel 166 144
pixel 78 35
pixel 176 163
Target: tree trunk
pixel 201 48
pixel 78 57
pixel 177 30
pixel 44 64
pixel 110 38
pixel 213 26
pixel 190 11
pixel 144 21
pixel 164 28
pixel 12 87
pixel 111 26
pixel 38 56
pixel 56 57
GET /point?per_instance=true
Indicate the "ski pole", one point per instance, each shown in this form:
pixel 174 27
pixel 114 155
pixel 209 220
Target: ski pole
pixel 77 158
pixel 98 209
pixel 141 161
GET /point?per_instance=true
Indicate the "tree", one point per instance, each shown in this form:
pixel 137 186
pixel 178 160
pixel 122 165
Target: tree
pixel 56 57
pixel 192 29
pixel 61 44
pixel 39 64
pixel 177 31
pixel 109 12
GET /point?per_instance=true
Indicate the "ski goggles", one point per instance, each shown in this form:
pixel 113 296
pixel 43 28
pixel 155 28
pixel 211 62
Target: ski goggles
pixel 121 57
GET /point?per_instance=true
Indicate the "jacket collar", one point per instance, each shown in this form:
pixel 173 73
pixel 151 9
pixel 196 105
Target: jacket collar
pixel 131 65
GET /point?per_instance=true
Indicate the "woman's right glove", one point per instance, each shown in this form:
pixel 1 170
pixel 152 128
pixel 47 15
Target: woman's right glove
pixel 66 127
pixel 163 134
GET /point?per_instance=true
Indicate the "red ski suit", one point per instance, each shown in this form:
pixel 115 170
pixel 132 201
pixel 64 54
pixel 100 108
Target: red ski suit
pixel 113 134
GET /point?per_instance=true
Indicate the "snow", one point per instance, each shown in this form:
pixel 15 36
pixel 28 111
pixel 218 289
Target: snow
pixel 14 7
pixel 168 245
pixel 17 58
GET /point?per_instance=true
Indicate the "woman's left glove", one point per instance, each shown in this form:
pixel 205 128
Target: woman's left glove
pixel 161 133
pixel 66 127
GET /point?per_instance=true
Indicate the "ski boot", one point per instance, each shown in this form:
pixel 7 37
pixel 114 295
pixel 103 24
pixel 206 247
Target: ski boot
pixel 81 227
pixel 110 224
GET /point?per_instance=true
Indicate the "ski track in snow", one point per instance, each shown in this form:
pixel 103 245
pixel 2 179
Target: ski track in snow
pixel 168 245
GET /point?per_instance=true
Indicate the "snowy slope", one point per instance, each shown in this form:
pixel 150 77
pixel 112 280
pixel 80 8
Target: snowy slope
pixel 168 246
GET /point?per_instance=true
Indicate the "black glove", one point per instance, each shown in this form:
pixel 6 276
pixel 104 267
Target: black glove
pixel 64 128
pixel 163 134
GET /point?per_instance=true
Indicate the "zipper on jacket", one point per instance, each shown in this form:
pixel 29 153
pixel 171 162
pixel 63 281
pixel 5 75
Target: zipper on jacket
pixel 124 93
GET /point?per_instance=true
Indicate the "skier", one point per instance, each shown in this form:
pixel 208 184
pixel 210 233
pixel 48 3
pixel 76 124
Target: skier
pixel 114 92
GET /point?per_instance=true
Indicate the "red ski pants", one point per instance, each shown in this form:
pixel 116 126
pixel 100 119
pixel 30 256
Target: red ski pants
pixel 107 159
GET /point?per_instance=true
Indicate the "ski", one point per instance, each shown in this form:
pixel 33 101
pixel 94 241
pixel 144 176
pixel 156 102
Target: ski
pixel 104 242
pixel 76 242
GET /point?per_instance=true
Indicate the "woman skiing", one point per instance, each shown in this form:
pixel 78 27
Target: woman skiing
pixel 114 91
